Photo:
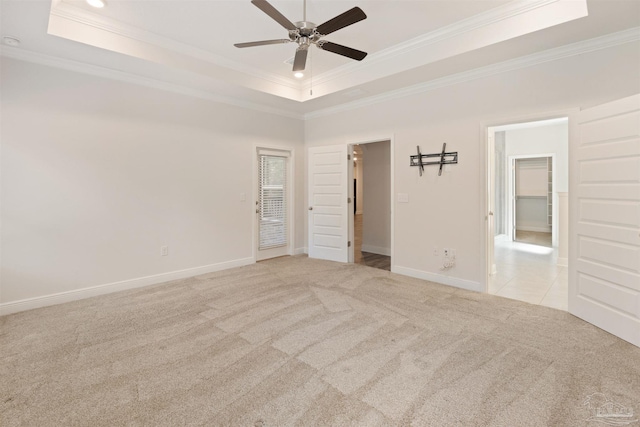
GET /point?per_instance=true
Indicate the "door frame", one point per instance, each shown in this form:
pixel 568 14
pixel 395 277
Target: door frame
pixel 290 196
pixel 486 183
pixel 350 144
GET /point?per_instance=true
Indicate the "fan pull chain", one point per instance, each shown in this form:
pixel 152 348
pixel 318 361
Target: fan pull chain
pixel 304 11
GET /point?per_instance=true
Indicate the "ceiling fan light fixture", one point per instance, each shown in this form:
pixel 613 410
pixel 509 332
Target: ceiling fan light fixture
pixel 305 33
pixel 298 74
pixel 96 3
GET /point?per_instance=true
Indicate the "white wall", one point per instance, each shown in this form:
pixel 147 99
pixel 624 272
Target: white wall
pixel 550 139
pixel 447 211
pixel 98 174
pixel 376 220
pixel 532 177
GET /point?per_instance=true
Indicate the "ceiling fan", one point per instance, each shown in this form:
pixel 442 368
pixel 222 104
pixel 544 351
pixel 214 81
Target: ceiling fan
pixel 306 33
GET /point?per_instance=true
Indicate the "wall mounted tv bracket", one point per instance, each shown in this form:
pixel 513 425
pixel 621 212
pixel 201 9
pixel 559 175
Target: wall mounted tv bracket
pixel 445 159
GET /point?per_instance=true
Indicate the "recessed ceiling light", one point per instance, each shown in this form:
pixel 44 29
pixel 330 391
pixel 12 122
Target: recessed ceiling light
pixel 96 3
pixel 10 41
pixel 299 75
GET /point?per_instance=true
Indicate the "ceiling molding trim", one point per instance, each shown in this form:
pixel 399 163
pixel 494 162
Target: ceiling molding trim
pixel 480 20
pixel 98 71
pixel 578 48
pixel 80 16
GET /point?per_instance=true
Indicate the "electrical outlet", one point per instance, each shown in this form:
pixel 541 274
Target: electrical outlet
pixel 446 252
pixel 164 250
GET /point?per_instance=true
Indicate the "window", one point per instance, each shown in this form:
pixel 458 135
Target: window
pixel 272 201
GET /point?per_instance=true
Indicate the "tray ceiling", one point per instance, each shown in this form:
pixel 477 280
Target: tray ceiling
pixel 189 44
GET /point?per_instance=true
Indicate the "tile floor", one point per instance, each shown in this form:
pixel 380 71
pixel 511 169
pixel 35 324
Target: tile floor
pixel 529 273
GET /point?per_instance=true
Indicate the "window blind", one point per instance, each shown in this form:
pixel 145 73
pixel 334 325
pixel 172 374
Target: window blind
pixel 272 201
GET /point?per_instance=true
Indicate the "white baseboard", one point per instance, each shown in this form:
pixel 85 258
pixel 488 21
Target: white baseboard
pixel 77 294
pixel 376 250
pixel 438 278
pixel 300 251
pixel 532 228
pixel 563 262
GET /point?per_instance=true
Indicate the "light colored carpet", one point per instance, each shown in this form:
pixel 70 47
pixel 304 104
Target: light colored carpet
pixel 294 341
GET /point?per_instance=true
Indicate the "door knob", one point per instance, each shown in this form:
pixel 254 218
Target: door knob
pixel 310 208
pixel 490 213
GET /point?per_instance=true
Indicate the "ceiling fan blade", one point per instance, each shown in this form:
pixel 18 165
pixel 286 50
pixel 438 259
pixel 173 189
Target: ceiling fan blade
pixel 262 43
pixel 300 61
pixel 266 7
pixel 358 55
pixel 350 17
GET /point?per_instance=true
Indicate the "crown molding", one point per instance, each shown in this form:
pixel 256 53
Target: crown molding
pixel 582 47
pixel 99 71
pixel 492 16
pixel 76 14
pixel 494 26
pixel 509 20
pixel 578 48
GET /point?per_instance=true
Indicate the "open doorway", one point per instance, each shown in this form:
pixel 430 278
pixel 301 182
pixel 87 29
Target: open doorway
pixel 372 204
pixel 530 200
pixel 529 182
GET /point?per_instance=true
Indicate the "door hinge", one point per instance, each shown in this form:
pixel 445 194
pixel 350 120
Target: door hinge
pixel 348 199
pixel 348 156
pixel 349 244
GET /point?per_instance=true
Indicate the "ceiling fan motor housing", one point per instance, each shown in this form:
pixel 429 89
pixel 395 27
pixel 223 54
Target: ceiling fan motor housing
pixel 305 33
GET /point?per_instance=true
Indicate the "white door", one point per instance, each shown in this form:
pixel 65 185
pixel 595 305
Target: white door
pixel 604 264
pixel 272 204
pixel 328 216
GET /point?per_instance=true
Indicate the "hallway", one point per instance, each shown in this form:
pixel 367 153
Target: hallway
pixel 367 258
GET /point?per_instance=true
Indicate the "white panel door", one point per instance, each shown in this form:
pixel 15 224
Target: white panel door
pixel 328 219
pixel 604 263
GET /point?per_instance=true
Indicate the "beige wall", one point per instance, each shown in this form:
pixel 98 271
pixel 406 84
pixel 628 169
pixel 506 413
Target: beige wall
pixel 447 211
pixel 98 174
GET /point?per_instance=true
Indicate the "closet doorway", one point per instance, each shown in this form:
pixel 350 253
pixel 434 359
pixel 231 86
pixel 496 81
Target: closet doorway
pixel 531 199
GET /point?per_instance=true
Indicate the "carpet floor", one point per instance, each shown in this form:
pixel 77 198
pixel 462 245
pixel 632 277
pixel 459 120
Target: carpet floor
pixel 300 342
